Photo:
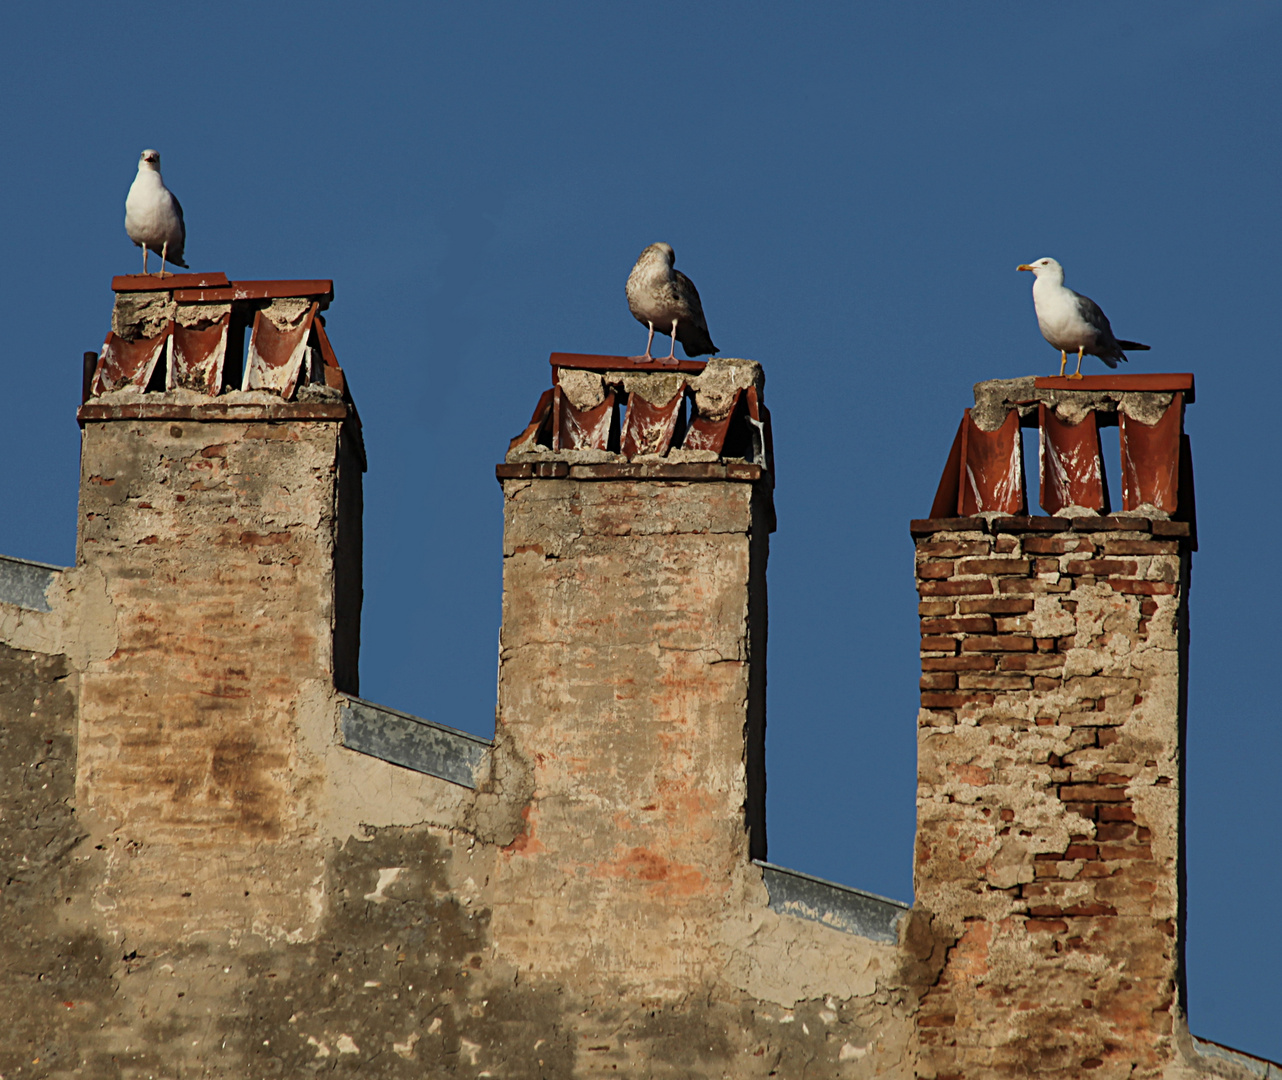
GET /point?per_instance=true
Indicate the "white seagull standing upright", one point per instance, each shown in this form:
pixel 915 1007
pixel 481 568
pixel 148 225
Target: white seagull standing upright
pixel 663 298
pixel 1069 320
pixel 153 217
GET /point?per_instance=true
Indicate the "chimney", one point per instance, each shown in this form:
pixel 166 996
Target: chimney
pixel 1050 774
pixel 220 510
pixel 631 708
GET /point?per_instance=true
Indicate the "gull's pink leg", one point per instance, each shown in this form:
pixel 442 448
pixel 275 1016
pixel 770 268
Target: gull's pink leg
pixel 647 356
pixel 144 258
pixel 164 252
pixel 671 358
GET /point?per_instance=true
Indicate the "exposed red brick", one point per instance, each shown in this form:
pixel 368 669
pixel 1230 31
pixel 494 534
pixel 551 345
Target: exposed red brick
pixel 1116 831
pixel 939 644
pixel 1081 851
pixel 1044 685
pixel 1139 547
pixel 1092 793
pixel 1056 545
pixel 976 587
pixel 994 682
pixel 932 700
pixel 996 605
pixel 1019 586
pixel 1171 528
pixel 1046 566
pixel 1113 852
pixel 1144 588
pixel 1051 926
pixel 939 680
pixel 937 1020
pixel 958 663
pixel 1100 567
pixel 1012 624
pixel 950 549
pixel 993 566
pixel 1002 643
pixel 1032 524
pixel 1030 661
pixel 1086 910
pixel 1112 778
pixel 934 569
pixel 930 526
pixel 936 607
pixel 1005 545
pixel 1111 524
pixel 974 624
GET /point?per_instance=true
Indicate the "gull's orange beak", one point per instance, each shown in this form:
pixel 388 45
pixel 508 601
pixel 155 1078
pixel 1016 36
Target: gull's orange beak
pixel 1023 266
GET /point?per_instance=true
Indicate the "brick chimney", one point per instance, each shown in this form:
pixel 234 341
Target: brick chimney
pixel 631 709
pixel 1049 759
pixel 220 510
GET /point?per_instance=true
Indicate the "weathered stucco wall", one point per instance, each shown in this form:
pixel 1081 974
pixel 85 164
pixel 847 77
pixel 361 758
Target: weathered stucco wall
pixel 201 880
pixel 216 887
pixel 623 696
pixel 625 729
pixel 216 543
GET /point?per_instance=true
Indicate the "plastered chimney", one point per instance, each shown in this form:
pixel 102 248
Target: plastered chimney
pixel 631 710
pixel 220 518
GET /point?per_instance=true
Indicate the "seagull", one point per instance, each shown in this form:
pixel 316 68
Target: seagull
pixel 659 296
pixel 153 217
pixel 1069 320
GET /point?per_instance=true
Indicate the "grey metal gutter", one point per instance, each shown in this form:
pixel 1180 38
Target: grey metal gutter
pixel 838 906
pixel 412 742
pixel 25 584
pixel 1261 1067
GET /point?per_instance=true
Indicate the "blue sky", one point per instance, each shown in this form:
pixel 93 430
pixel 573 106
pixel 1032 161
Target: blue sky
pixel 851 186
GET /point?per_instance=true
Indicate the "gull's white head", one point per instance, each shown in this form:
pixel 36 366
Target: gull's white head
pixel 149 159
pixel 1045 267
pixel 660 250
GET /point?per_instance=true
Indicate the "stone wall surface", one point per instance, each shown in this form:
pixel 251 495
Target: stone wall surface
pixel 1049 793
pixel 210 885
pixel 198 879
pixel 216 541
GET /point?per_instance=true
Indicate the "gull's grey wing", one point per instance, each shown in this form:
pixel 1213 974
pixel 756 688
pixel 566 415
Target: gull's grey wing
pixel 1094 315
pixel 1106 346
pixel 693 332
pixel 690 295
pixel 176 257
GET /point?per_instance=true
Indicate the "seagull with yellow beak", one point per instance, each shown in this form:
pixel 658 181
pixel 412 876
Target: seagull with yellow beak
pixel 1069 320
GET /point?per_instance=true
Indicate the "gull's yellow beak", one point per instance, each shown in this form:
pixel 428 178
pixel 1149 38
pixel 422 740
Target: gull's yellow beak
pixel 1023 266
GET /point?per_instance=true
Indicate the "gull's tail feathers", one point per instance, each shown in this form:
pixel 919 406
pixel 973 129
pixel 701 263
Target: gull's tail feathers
pixel 695 340
pixel 1133 346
